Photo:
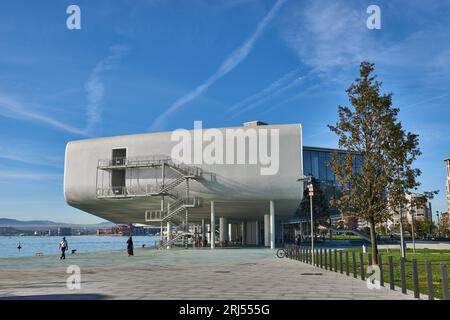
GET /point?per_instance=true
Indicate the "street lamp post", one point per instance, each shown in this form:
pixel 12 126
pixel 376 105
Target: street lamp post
pixel 438 223
pixel 412 229
pixel 402 240
pixel 311 194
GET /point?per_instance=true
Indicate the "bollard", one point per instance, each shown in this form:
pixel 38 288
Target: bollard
pixel 317 258
pixel 403 275
pixel 330 256
pixel 326 259
pixel 335 261
pixel 347 266
pixel 416 280
pixel 444 281
pixel 430 280
pixel 380 265
pixel 361 262
pixel 355 274
pixel 340 261
pixel 321 257
pixel 391 273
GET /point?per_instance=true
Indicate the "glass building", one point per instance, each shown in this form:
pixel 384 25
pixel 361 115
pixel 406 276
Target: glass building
pixel 317 163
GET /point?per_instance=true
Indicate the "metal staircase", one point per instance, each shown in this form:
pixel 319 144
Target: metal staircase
pixel 172 211
pixel 165 244
pixel 173 174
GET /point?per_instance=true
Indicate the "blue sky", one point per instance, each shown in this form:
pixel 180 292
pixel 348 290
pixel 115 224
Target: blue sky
pixel 138 66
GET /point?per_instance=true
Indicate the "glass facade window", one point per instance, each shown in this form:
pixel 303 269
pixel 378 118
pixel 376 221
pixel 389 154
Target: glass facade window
pixel 307 163
pixel 316 162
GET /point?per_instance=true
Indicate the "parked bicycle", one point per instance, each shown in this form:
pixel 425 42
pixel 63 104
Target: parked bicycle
pixel 282 253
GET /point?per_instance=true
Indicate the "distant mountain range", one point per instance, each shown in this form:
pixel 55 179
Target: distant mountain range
pixel 14 222
pixel 45 224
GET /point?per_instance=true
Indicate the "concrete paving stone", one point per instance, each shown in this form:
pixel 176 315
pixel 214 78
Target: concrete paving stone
pixel 191 274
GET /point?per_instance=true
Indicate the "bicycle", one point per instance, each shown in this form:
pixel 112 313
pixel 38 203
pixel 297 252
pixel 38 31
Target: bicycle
pixel 282 253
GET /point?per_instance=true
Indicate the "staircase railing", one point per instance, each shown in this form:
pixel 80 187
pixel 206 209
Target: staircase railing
pixel 165 243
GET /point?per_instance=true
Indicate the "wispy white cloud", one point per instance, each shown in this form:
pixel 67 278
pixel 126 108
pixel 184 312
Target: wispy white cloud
pixel 266 91
pixel 272 94
pixel 327 34
pixel 29 154
pixel 21 175
pixel 95 89
pixel 231 62
pixel 11 107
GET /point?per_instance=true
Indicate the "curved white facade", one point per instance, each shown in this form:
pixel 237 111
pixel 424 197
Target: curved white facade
pixel 241 192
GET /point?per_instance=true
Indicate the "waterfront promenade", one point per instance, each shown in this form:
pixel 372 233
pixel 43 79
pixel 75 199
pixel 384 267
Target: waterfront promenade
pixel 180 274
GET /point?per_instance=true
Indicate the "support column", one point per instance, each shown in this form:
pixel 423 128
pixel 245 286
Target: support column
pixel 203 232
pixel 213 226
pixel 168 233
pixel 272 224
pixel 223 230
pixel 266 230
pixel 257 232
pixel 242 233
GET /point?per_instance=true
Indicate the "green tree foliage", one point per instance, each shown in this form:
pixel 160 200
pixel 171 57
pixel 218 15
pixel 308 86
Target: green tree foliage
pixel 370 128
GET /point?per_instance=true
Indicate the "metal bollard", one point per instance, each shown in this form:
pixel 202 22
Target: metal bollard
pixel 347 265
pixel 391 273
pixel 335 261
pixel 430 280
pixel 330 257
pixel 361 262
pixel 355 273
pixel 321 258
pixel 444 278
pixel 403 274
pixel 416 280
pixel 380 265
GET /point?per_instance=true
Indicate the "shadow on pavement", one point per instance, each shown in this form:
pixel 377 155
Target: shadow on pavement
pixel 74 296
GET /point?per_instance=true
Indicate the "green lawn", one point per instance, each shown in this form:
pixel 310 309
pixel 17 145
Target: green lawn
pixel 436 257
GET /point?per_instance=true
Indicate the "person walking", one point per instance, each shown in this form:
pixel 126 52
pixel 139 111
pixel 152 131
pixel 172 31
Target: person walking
pixel 130 246
pixel 63 246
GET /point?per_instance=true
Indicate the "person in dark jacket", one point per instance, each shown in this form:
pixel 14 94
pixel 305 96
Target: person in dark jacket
pixel 130 246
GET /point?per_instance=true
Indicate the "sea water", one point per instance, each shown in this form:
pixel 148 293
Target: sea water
pixel 31 246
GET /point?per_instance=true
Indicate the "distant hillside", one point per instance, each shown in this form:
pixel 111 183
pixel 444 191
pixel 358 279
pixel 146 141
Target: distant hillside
pixel 45 224
pixel 105 224
pixel 14 222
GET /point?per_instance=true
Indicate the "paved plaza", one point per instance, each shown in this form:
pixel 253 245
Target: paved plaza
pixel 180 274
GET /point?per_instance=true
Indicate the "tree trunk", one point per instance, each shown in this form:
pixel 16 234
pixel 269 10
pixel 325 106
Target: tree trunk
pixel 373 240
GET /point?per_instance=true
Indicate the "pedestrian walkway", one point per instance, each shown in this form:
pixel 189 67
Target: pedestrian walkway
pixel 182 274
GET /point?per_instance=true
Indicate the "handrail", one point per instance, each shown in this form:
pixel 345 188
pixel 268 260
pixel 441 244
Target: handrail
pixel 177 237
pixel 172 209
pixel 150 160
